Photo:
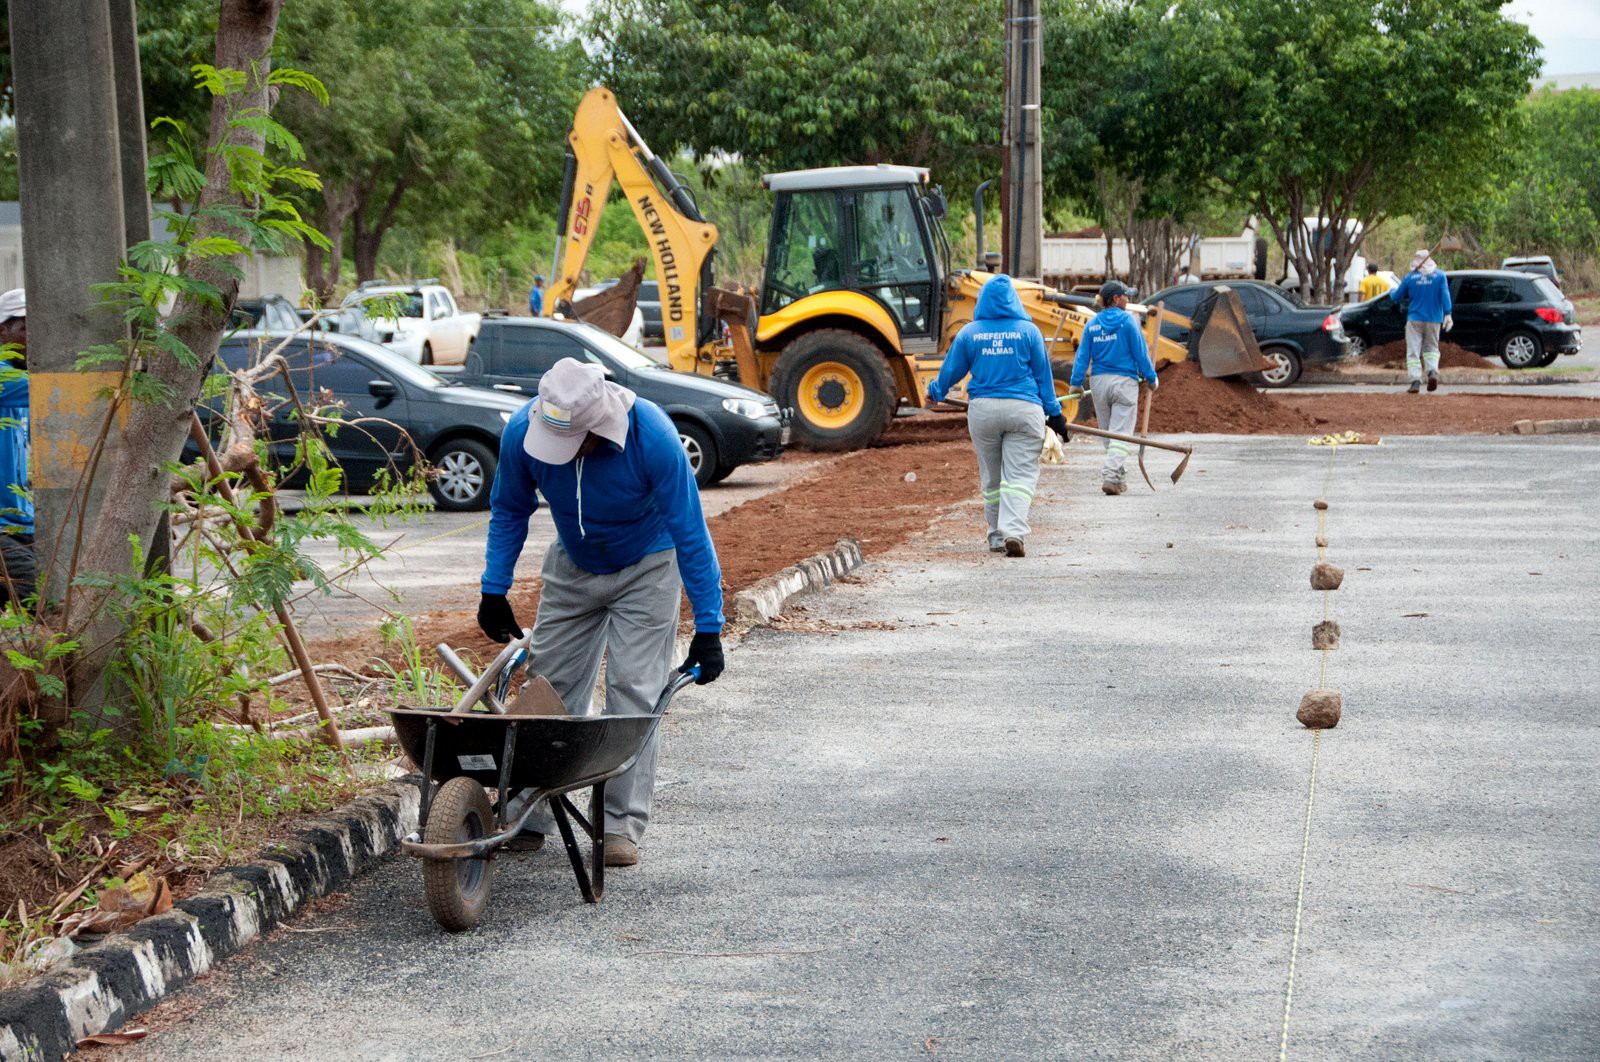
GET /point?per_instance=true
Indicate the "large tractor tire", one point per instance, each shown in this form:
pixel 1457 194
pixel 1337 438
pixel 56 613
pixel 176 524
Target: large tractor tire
pixel 1061 373
pixel 840 388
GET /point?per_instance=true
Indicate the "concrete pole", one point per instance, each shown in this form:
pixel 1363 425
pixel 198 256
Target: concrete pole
pixel 72 237
pixel 1023 176
pixel 130 120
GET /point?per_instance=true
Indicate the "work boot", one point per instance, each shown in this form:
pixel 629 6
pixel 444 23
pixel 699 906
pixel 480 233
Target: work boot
pixel 1111 486
pixel 1014 548
pixel 1433 379
pixel 1415 388
pixel 526 841
pixel 996 543
pixel 621 852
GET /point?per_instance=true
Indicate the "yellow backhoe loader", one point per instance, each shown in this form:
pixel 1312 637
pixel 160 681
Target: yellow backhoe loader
pixel 859 302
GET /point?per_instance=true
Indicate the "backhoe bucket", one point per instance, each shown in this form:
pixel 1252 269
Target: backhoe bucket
pixel 1221 338
pixel 611 310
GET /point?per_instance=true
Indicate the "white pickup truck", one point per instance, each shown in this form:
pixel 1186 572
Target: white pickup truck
pixel 430 329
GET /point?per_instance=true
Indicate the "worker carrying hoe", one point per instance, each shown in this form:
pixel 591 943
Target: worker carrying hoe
pixel 629 533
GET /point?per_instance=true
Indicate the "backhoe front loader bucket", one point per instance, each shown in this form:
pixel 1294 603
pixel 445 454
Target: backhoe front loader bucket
pixel 611 309
pixel 1221 338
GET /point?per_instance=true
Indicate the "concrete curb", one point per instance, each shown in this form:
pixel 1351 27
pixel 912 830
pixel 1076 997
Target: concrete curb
pixel 115 979
pixel 1457 377
pixel 1557 427
pixel 760 602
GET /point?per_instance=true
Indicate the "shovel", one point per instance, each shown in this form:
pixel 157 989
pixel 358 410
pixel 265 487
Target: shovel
pixel 1140 440
pixel 1144 430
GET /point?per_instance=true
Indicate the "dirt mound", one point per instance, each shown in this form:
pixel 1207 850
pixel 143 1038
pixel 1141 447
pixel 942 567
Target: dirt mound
pixel 1445 413
pixel 1188 401
pixel 1451 356
pixel 924 428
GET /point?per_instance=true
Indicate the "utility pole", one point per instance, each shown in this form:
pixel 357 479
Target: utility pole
pixel 73 233
pixel 1022 176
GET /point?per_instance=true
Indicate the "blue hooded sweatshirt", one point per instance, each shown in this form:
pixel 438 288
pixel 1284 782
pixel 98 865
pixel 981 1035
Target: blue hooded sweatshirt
pixel 16 503
pixel 1429 292
pixel 1112 345
pixel 1002 349
pixel 611 508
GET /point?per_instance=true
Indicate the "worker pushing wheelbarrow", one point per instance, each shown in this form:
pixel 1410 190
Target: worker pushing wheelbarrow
pixel 629 534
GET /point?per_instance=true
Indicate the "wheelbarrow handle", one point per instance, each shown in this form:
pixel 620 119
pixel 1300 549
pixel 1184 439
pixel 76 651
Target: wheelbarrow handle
pixel 679 681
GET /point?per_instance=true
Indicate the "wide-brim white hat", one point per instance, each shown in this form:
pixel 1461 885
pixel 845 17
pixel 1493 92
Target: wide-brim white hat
pixel 575 398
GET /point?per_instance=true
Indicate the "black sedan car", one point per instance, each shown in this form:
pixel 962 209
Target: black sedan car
pixel 722 425
pixel 1292 334
pixel 457 428
pixel 1522 319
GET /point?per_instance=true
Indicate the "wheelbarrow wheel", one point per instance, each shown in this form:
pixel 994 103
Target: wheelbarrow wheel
pixel 458 889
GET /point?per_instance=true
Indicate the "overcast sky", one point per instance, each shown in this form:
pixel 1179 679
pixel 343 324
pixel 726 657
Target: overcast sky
pixel 1569 30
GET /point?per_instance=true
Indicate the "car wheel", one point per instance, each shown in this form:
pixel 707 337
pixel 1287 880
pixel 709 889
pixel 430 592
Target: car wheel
pixel 1285 368
pixel 701 451
pixel 1358 344
pixel 722 473
pixel 1547 359
pixel 427 353
pixel 463 475
pixel 1521 350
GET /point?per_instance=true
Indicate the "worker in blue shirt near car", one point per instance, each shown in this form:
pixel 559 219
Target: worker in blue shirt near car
pixel 536 296
pixel 1427 316
pixel 18 567
pixel 1011 401
pixel 629 535
pixel 1114 355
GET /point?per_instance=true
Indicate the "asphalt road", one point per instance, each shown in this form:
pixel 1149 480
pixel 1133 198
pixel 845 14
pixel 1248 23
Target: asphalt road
pixel 1055 807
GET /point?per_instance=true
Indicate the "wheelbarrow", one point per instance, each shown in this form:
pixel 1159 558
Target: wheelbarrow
pixel 485 773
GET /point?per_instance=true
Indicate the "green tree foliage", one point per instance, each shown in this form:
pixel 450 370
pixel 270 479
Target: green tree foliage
pixel 1547 197
pixel 1355 110
pixel 811 82
pixel 451 117
pixel 1133 94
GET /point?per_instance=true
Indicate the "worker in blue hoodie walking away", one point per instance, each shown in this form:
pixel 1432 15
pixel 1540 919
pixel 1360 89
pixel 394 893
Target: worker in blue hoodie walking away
pixel 1114 354
pixel 629 534
pixel 1012 399
pixel 1427 316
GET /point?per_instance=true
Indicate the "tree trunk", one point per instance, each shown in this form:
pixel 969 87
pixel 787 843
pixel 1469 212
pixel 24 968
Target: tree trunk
pixel 367 233
pixel 154 433
pixel 324 266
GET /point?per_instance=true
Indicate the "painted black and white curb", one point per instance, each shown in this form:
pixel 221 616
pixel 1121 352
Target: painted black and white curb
pixel 107 984
pixel 760 602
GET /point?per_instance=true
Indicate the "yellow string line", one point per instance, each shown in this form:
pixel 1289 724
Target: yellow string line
pixel 1300 897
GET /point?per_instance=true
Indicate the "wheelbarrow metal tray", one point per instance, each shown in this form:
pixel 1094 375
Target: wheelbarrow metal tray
pixel 553 753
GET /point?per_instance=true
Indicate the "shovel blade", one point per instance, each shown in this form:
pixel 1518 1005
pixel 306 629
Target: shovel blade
pixel 1177 473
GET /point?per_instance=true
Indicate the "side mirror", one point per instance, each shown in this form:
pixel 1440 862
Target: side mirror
pixel 937 201
pixel 383 390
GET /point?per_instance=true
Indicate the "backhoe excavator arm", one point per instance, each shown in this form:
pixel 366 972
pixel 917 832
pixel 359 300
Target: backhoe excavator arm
pixel 603 146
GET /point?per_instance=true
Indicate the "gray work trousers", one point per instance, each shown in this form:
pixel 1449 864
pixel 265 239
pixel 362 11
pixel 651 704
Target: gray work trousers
pixel 630 616
pixel 1422 347
pixel 1008 434
pixel 1116 408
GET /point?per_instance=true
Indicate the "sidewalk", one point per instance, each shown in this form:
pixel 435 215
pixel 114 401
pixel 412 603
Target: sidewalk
pixel 1056 808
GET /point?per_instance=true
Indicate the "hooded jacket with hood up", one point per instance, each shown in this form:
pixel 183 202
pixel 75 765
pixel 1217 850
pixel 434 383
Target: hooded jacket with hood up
pixel 1112 345
pixel 1002 349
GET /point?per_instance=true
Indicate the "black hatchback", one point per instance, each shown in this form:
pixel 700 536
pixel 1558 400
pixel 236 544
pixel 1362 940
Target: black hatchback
pixel 1522 319
pixel 456 428
pixel 722 425
pixel 1292 334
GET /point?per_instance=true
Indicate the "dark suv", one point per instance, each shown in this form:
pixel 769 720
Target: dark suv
pixel 1292 335
pixel 722 425
pixel 1523 320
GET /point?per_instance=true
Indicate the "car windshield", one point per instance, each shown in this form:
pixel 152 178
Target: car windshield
pixel 390 362
pixel 615 349
pixel 410 302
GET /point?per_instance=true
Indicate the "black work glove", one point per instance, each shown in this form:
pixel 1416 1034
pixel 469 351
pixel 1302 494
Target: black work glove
pixel 495 618
pixel 1057 424
pixel 705 649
